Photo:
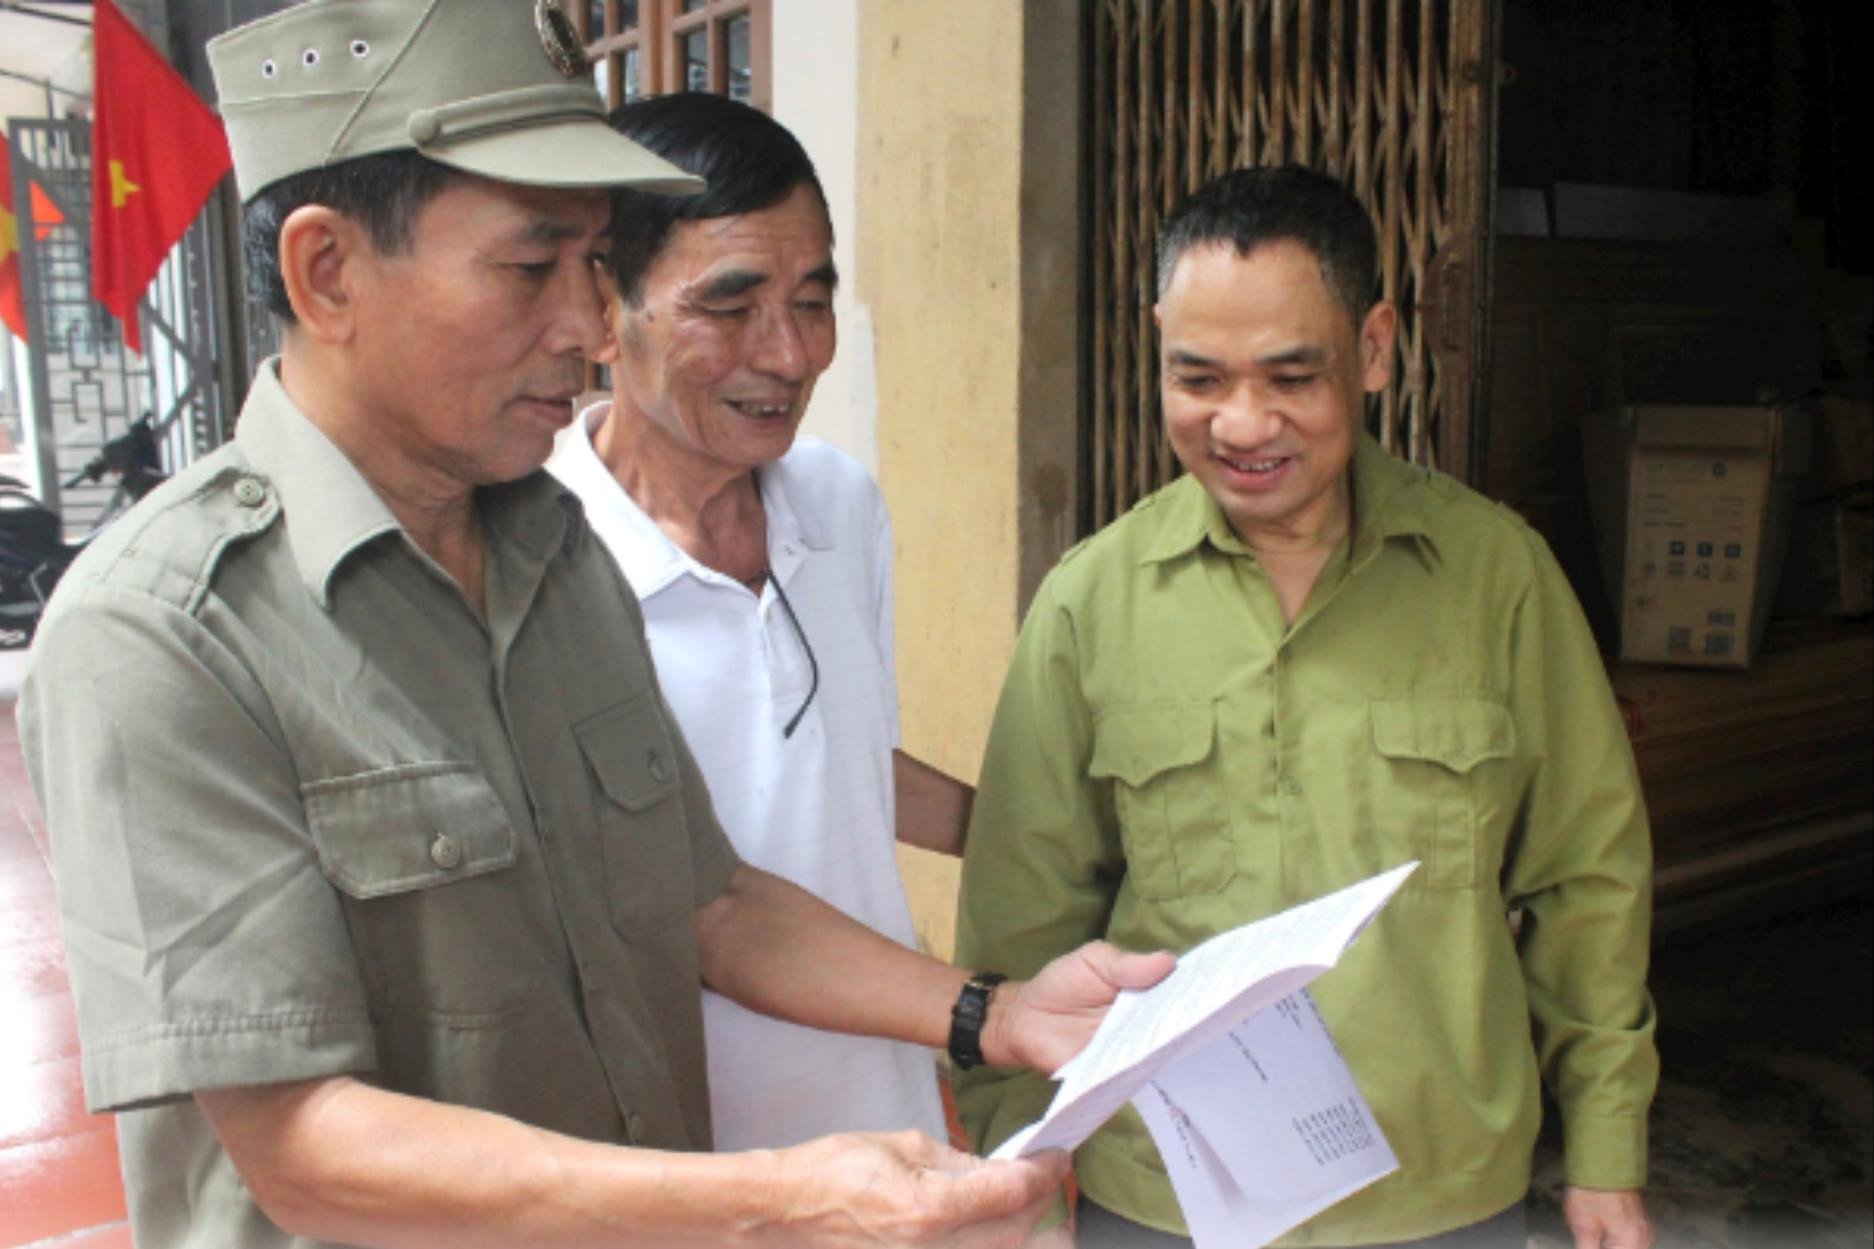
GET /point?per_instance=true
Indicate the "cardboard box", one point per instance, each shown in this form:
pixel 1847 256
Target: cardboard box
pixel 1691 509
pixel 1854 553
pixel 1829 571
pixel 1847 449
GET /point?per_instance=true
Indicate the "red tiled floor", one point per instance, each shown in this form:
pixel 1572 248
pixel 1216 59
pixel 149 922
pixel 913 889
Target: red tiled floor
pixel 22 879
pixel 44 1100
pixel 57 1187
pixel 32 969
pixel 16 841
pixel 59 1178
pixel 115 1237
pixel 32 918
pixel 39 1030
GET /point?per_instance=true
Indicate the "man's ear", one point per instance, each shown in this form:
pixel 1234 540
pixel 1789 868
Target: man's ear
pixel 614 307
pixel 321 251
pixel 1376 345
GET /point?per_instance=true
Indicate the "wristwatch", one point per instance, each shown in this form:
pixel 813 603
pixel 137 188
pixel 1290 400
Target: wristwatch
pixel 967 1017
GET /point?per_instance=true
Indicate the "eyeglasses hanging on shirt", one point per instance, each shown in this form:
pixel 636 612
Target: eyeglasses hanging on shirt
pixel 813 665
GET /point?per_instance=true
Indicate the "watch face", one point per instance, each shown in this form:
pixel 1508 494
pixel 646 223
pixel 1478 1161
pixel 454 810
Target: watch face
pixel 967 1018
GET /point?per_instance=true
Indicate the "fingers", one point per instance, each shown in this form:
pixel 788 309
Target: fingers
pixel 1134 971
pixel 1635 1233
pixel 1607 1220
pixel 906 1189
pixel 1006 1185
pixel 1002 1200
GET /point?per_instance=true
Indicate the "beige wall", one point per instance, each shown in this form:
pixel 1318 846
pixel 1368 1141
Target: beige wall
pixel 967 242
pixel 815 56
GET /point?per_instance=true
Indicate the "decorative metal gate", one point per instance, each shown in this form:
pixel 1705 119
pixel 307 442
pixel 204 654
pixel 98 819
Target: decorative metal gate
pixel 1395 97
pixel 86 387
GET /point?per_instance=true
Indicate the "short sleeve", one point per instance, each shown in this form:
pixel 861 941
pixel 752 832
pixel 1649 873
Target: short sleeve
pixel 204 944
pixel 713 859
pixel 882 580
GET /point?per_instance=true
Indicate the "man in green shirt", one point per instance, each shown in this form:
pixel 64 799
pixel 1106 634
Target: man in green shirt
pixel 387 882
pixel 1303 663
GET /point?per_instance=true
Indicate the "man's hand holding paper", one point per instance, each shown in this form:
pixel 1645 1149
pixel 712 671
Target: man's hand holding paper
pixel 1045 1022
pixel 1257 1118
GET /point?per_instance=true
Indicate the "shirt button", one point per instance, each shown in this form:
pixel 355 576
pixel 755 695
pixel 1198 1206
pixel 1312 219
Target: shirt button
pixel 444 852
pixel 248 492
pixel 1291 786
pixel 634 1128
pixel 659 769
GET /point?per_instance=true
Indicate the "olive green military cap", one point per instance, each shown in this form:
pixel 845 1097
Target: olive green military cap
pixel 498 88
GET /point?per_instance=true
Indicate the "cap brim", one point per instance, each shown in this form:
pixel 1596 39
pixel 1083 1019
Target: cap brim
pixel 568 152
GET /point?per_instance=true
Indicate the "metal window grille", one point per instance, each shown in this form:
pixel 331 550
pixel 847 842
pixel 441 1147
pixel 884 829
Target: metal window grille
pixel 652 47
pixel 1392 96
pixel 86 387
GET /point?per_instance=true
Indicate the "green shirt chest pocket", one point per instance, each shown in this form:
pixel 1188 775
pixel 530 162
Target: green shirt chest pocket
pixel 420 853
pixel 1168 791
pixel 642 830
pixel 409 826
pixel 1430 789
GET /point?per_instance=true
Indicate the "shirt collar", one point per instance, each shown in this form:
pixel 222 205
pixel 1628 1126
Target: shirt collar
pixel 332 511
pixel 1383 509
pixel 1384 505
pixel 649 559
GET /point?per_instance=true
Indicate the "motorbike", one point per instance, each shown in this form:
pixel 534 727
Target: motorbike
pixel 33 550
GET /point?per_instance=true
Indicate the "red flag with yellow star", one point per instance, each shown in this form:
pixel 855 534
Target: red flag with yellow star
pixel 156 154
pixel 12 284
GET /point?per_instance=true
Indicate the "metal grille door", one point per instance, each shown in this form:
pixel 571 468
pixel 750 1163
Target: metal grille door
pixel 1395 97
pixel 86 387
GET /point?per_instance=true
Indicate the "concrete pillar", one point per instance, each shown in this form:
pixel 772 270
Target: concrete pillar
pixel 968 160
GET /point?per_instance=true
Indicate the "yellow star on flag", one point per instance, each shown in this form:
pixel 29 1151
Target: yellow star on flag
pixel 122 188
pixel 9 234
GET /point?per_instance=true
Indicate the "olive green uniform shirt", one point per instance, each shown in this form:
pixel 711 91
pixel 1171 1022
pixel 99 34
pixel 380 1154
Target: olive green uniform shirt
pixel 312 814
pixel 1170 760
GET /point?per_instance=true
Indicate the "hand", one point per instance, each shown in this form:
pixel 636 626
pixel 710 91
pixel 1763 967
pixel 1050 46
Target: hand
pixel 1602 1219
pixel 1041 1023
pixel 1060 1236
pixel 906 1190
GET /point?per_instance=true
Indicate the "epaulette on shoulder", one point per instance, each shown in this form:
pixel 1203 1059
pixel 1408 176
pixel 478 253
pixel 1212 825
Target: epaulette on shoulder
pixel 170 544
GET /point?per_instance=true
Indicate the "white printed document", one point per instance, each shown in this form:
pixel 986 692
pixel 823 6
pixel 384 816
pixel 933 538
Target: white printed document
pixel 1260 1124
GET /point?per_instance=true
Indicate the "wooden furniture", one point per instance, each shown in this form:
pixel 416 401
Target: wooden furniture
pixel 1760 783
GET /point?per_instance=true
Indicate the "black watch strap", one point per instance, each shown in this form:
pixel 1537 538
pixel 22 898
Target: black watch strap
pixel 967 1018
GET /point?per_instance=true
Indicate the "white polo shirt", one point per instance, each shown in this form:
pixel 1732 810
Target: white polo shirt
pixel 815 808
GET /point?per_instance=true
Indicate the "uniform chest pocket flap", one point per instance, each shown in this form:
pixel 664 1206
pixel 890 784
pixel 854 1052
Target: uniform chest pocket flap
pixel 643 834
pixel 1430 749
pixel 1169 794
pixel 1455 733
pixel 409 826
pixel 630 754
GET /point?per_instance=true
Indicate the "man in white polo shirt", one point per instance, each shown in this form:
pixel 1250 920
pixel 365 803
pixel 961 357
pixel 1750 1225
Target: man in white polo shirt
pixel 764 566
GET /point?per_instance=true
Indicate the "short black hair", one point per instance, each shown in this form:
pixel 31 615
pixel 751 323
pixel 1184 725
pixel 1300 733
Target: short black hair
pixel 749 161
pixel 383 193
pixel 1249 208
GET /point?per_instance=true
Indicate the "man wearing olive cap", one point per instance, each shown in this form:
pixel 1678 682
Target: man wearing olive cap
pixel 387 882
